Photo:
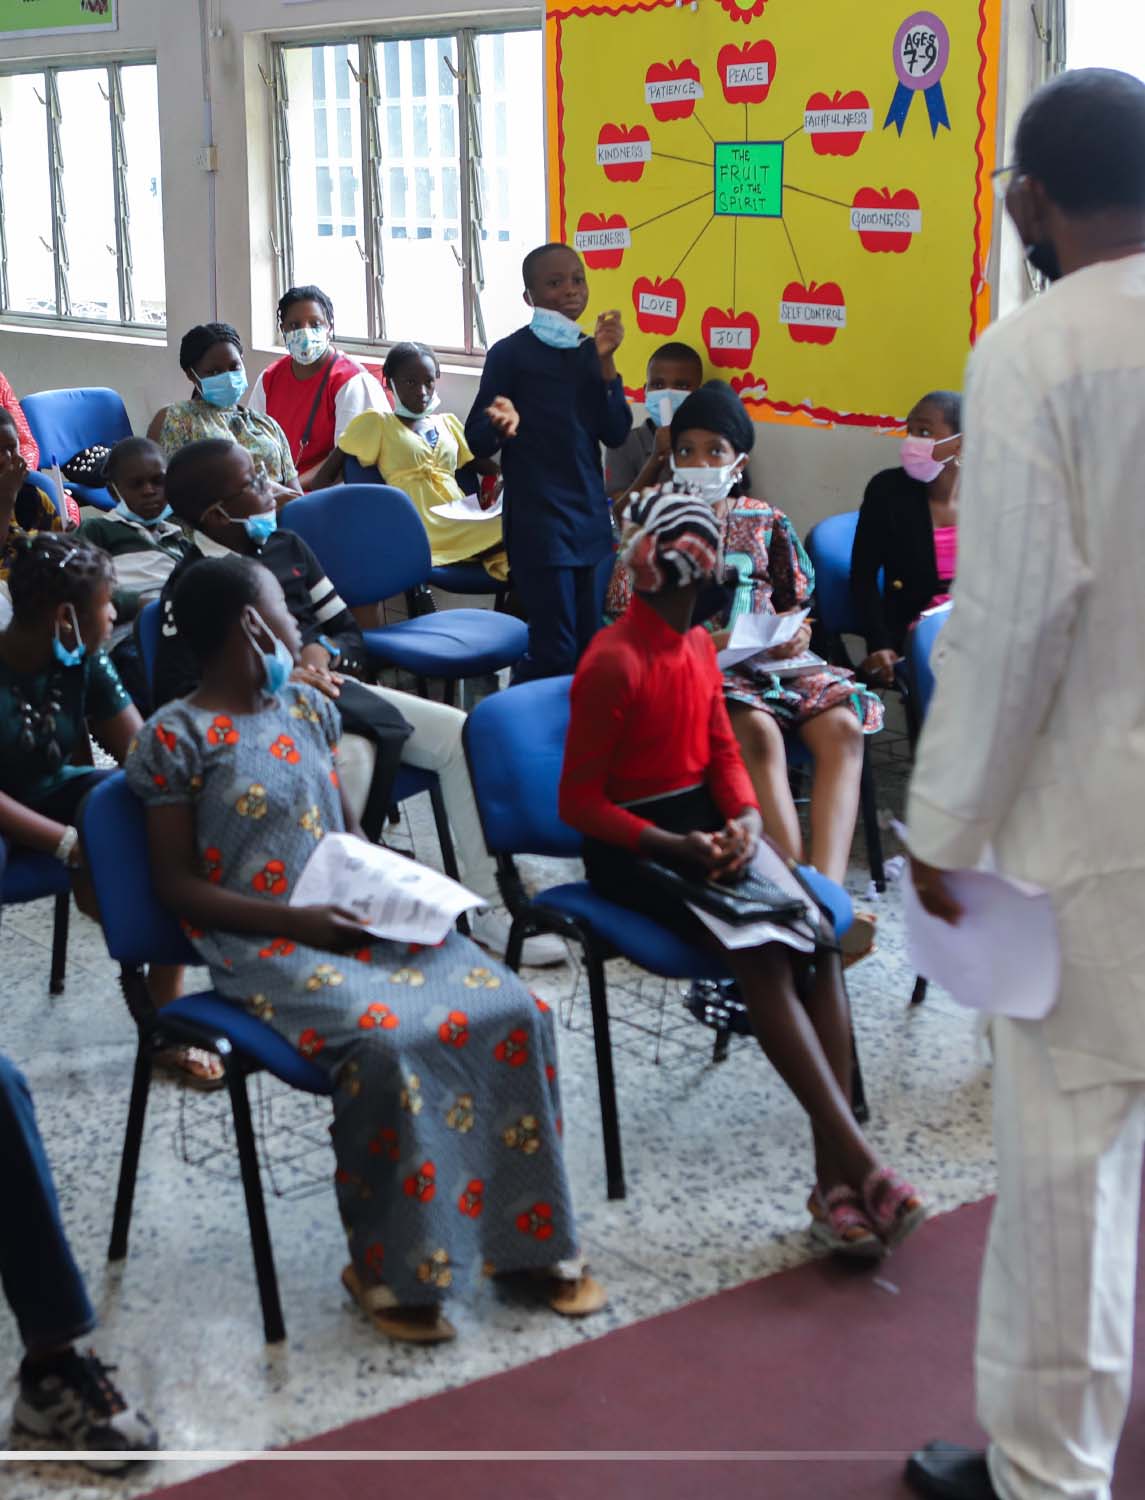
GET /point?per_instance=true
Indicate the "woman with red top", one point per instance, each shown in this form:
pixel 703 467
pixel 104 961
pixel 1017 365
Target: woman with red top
pixel 652 771
pixel 29 449
pixel 314 392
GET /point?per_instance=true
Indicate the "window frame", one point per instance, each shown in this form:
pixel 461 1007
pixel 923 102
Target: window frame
pixel 375 161
pixel 126 324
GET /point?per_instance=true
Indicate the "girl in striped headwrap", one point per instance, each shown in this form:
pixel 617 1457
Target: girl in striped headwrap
pixel 652 770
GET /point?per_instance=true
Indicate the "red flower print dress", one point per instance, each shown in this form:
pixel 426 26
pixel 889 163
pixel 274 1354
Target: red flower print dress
pixel 437 1054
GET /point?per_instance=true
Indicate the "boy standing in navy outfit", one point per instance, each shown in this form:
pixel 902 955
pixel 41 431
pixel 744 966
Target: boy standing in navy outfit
pixel 549 397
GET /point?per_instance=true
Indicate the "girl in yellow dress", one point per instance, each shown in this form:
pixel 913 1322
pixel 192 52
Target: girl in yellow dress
pixel 419 449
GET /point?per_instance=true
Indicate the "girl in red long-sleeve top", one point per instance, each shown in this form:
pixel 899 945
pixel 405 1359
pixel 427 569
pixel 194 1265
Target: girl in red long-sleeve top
pixel 652 770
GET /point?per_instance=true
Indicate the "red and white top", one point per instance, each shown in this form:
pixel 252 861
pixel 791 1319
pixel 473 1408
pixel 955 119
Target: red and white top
pixel 29 451
pixel 350 390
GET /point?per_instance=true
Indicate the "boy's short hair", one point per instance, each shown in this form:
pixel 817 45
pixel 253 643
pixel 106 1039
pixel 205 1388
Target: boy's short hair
pixel 529 264
pixel 679 351
pixel 192 477
pixel 210 596
pixel 127 448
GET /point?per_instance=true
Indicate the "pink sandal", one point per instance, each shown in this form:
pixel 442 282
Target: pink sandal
pixel 840 1224
pixel 893 1206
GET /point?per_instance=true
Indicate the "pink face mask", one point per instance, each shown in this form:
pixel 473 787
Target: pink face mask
pixel 918 457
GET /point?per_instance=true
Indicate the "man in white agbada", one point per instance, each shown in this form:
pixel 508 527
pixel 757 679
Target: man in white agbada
pixel 1035 747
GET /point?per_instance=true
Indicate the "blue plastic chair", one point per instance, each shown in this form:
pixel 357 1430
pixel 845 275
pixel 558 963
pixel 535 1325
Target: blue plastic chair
pixel 46 483
pixel 32 876
pixel 371 542
pixel 515 743
pixel 829 545
pixel 465 578
pixel 409 782
pixel 139 931
pixel 64 423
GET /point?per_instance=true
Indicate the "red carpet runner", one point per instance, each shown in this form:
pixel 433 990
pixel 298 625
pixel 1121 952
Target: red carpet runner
pixel 817 1359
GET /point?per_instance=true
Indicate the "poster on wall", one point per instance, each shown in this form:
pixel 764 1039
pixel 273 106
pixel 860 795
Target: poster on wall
pixel 802 194
pixel 19 18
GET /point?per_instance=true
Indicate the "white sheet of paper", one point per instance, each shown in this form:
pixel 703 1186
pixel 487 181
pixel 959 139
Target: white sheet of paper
pixel 395 897
pixel 467 509
pixel 735 935
pixel 752 635
pixel 1003 957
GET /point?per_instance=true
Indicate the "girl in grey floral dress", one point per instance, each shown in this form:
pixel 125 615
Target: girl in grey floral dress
pixel 446 1111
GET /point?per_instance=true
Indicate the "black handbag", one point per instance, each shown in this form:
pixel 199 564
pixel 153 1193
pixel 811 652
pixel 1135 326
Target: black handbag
pixel 754 898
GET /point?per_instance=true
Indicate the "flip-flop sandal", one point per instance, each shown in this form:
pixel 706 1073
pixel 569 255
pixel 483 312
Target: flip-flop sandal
pixel 409 1325
pixel 858 942
pixel 840 1224
pixel 188 1065
pixel 892 1205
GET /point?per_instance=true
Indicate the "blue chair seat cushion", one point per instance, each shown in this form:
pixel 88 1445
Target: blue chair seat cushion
pixel 656 947
pixel 411 780
pixel 454 643
pixel 465 578
pixel 254 1039
pixel 31 875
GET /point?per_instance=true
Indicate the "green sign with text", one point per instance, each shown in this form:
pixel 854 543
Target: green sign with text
pixel 43 17
pixel 749 179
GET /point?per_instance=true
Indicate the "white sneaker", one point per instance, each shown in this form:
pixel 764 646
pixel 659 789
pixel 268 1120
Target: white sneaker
pixel 491 930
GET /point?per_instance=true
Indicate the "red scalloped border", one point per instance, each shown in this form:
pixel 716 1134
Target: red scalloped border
pixel 977 270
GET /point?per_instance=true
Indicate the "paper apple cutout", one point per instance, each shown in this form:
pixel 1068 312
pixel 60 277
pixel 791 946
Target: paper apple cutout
pixel 671 89
pixel 829 294
pixel 838 142
pixel 751 69
pixel 901 208
pixel 749 387
pixel 659 304
pixel 744 10
pixel 602 256
pixel 620 136
pixel 730 337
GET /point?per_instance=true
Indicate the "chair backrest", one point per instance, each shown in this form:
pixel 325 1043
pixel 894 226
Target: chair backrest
pixel 356 472
pixel 368 537
pixel 829 545
pixel 148 627
pixel 515 745
pixel 137 928
pixel 64 423
pixel 47 485
pixel 920 656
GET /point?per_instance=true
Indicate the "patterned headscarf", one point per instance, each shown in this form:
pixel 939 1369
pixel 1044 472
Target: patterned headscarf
pixel 674 540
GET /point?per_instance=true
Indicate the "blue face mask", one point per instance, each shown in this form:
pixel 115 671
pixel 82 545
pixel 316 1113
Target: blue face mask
pixel 654 402
pixel 223 390
pixel 124 510
pixel 402 410
pixel 277 665
pixel 260 528
pixel 554 329
pixel 69 656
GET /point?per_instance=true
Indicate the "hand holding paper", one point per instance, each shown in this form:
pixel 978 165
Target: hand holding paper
pixel 758 634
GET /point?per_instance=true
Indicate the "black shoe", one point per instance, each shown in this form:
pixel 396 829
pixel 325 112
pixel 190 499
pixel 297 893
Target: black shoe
pixel 716 1003
pixel 948 1472
pixel 75 1405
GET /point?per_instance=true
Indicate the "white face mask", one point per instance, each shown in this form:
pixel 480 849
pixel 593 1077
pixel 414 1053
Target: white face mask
pixel 307 345
pixel 708 484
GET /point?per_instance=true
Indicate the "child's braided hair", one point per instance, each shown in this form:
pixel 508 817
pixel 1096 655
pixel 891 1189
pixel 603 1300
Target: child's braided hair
pixel 49 570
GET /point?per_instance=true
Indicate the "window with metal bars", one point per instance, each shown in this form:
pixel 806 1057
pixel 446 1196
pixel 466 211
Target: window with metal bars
pixel 81 213
pixel 410 180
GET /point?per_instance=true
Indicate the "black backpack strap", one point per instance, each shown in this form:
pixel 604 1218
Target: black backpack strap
pixel 310 420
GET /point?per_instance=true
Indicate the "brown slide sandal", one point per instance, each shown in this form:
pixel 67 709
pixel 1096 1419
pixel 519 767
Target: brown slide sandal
pixel 409 1325
pixel 576 1299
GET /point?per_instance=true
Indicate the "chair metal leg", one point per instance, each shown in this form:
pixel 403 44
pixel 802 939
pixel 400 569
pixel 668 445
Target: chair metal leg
pixel 272 1323
pixel 60 943
pixel 859 1107
pixel 449 692
pixel 515 945
pixel 918 995
pixel 868 794
pixel 132 1141
pixel 605 1078
pixel 445 844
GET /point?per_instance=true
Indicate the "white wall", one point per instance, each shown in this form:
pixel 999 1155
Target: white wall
pixel 808 472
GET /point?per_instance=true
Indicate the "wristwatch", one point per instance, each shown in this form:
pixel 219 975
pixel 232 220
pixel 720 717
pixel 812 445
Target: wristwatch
pixel 63 850
pixel 328 645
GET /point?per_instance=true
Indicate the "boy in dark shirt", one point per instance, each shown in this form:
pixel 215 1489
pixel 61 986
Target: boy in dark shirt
pixel 549 397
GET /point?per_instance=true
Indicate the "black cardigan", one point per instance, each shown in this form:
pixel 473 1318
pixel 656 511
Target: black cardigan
pixel 895 533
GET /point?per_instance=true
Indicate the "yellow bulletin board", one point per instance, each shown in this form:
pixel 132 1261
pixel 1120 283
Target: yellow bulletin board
pixel 802 192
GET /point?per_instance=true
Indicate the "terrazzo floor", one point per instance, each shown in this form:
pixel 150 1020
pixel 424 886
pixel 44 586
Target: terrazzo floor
pixel 717 1161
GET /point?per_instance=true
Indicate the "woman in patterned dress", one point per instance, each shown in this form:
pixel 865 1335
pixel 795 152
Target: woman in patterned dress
pixel 446 1112
pixel 827 709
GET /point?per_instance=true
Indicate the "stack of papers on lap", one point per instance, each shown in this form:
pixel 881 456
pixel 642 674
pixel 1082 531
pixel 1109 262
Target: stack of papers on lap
pixel 733 935
pixel 468 508
pixel 392 896
pixel 755 635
